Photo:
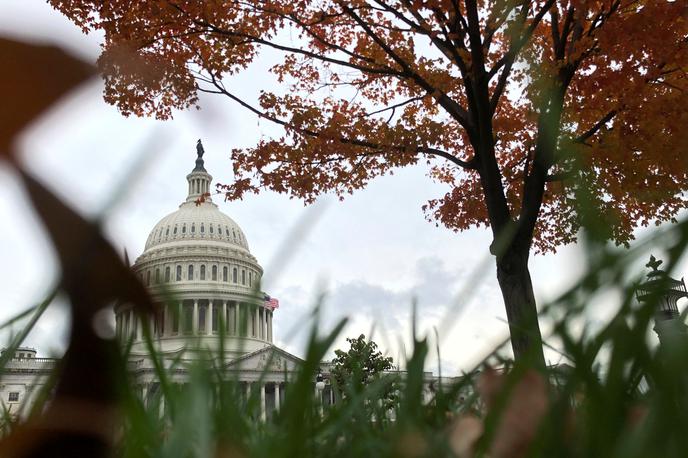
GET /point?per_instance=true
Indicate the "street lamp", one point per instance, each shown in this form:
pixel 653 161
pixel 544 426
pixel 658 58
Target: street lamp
pixel 665 292
pixel 319 381
pixel 319 387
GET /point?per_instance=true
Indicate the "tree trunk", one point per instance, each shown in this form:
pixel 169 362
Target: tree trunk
pixel 517 290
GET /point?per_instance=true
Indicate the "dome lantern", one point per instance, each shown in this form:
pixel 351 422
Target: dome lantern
pixel 199 179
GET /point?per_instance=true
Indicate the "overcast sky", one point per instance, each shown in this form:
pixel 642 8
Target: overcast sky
pixel 371 255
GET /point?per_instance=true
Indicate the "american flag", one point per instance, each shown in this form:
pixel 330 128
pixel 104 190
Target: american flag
pixel 271 302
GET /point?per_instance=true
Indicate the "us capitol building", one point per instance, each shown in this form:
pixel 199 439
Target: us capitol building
pixel 197 262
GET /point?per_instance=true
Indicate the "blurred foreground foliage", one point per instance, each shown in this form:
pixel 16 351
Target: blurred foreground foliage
pixel 616 393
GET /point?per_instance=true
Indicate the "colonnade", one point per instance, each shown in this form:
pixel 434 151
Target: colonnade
pixel 201 317
pixel 271 396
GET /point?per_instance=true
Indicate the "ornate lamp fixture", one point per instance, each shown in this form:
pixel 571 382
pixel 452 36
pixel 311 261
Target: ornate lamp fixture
pixel 665 292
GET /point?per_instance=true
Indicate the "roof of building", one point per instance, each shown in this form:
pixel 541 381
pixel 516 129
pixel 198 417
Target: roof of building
pixel 198 218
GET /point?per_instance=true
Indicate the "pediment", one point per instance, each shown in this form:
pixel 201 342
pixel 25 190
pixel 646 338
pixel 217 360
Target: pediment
pixel 270 358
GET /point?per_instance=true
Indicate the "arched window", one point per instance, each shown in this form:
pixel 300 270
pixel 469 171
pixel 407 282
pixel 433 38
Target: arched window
pixel 234 275
pixel 227 231
pixel 148 274
pixel 211 228
pixel 190 276
pixel 250 279
pixel 157 275
pixel 243 277
pixel 214 273
pixel 175 230
pixel 167 231
pixel 184 229
pixel 179 273
pixel 167 274
pixel 202 272
pixel 193 228
pixel 224 273
pixel 202 228
pixel 219 230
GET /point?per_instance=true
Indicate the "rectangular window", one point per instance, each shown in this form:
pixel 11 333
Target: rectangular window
pixel 201 318
pixel 190 273
pixel 13 396
pixel 134 325
pixel 215 319
pixel 175 319
pixel 243 277
pixel 202 272
pixel 234 275
pixel 214 273
pixel 224 273
pixel 161 322
pixel 187 321
pixel 179 273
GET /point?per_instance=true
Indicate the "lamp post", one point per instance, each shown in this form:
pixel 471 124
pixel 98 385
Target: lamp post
pixel 319 387
pixel 664 291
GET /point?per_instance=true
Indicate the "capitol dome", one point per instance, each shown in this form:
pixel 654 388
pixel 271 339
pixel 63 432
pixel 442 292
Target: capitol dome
pixel 198 223
pixel 198 268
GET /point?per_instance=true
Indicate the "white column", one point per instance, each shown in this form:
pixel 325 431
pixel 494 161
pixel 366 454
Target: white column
pixel 144 394
pixel 270 324
pixel 224 323
pixel 236 319
pixel 263 410
pixel 162 405
pixel 208 317
pixel 264 324
pixel 277 397
pixel 248 391
pixel 180 317
pixel 194 326
pixel 257 322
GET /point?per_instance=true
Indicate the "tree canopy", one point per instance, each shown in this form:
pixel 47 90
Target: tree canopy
pixel 359 365
pixel 513 104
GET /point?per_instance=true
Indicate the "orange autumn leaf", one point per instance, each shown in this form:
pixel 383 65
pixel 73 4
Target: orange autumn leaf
pixel 33 77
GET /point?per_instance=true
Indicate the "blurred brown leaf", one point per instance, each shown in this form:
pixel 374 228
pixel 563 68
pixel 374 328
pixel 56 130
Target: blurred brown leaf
pixel 520 418
pixel 33 77
pixel 81 419
pixel 464 433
